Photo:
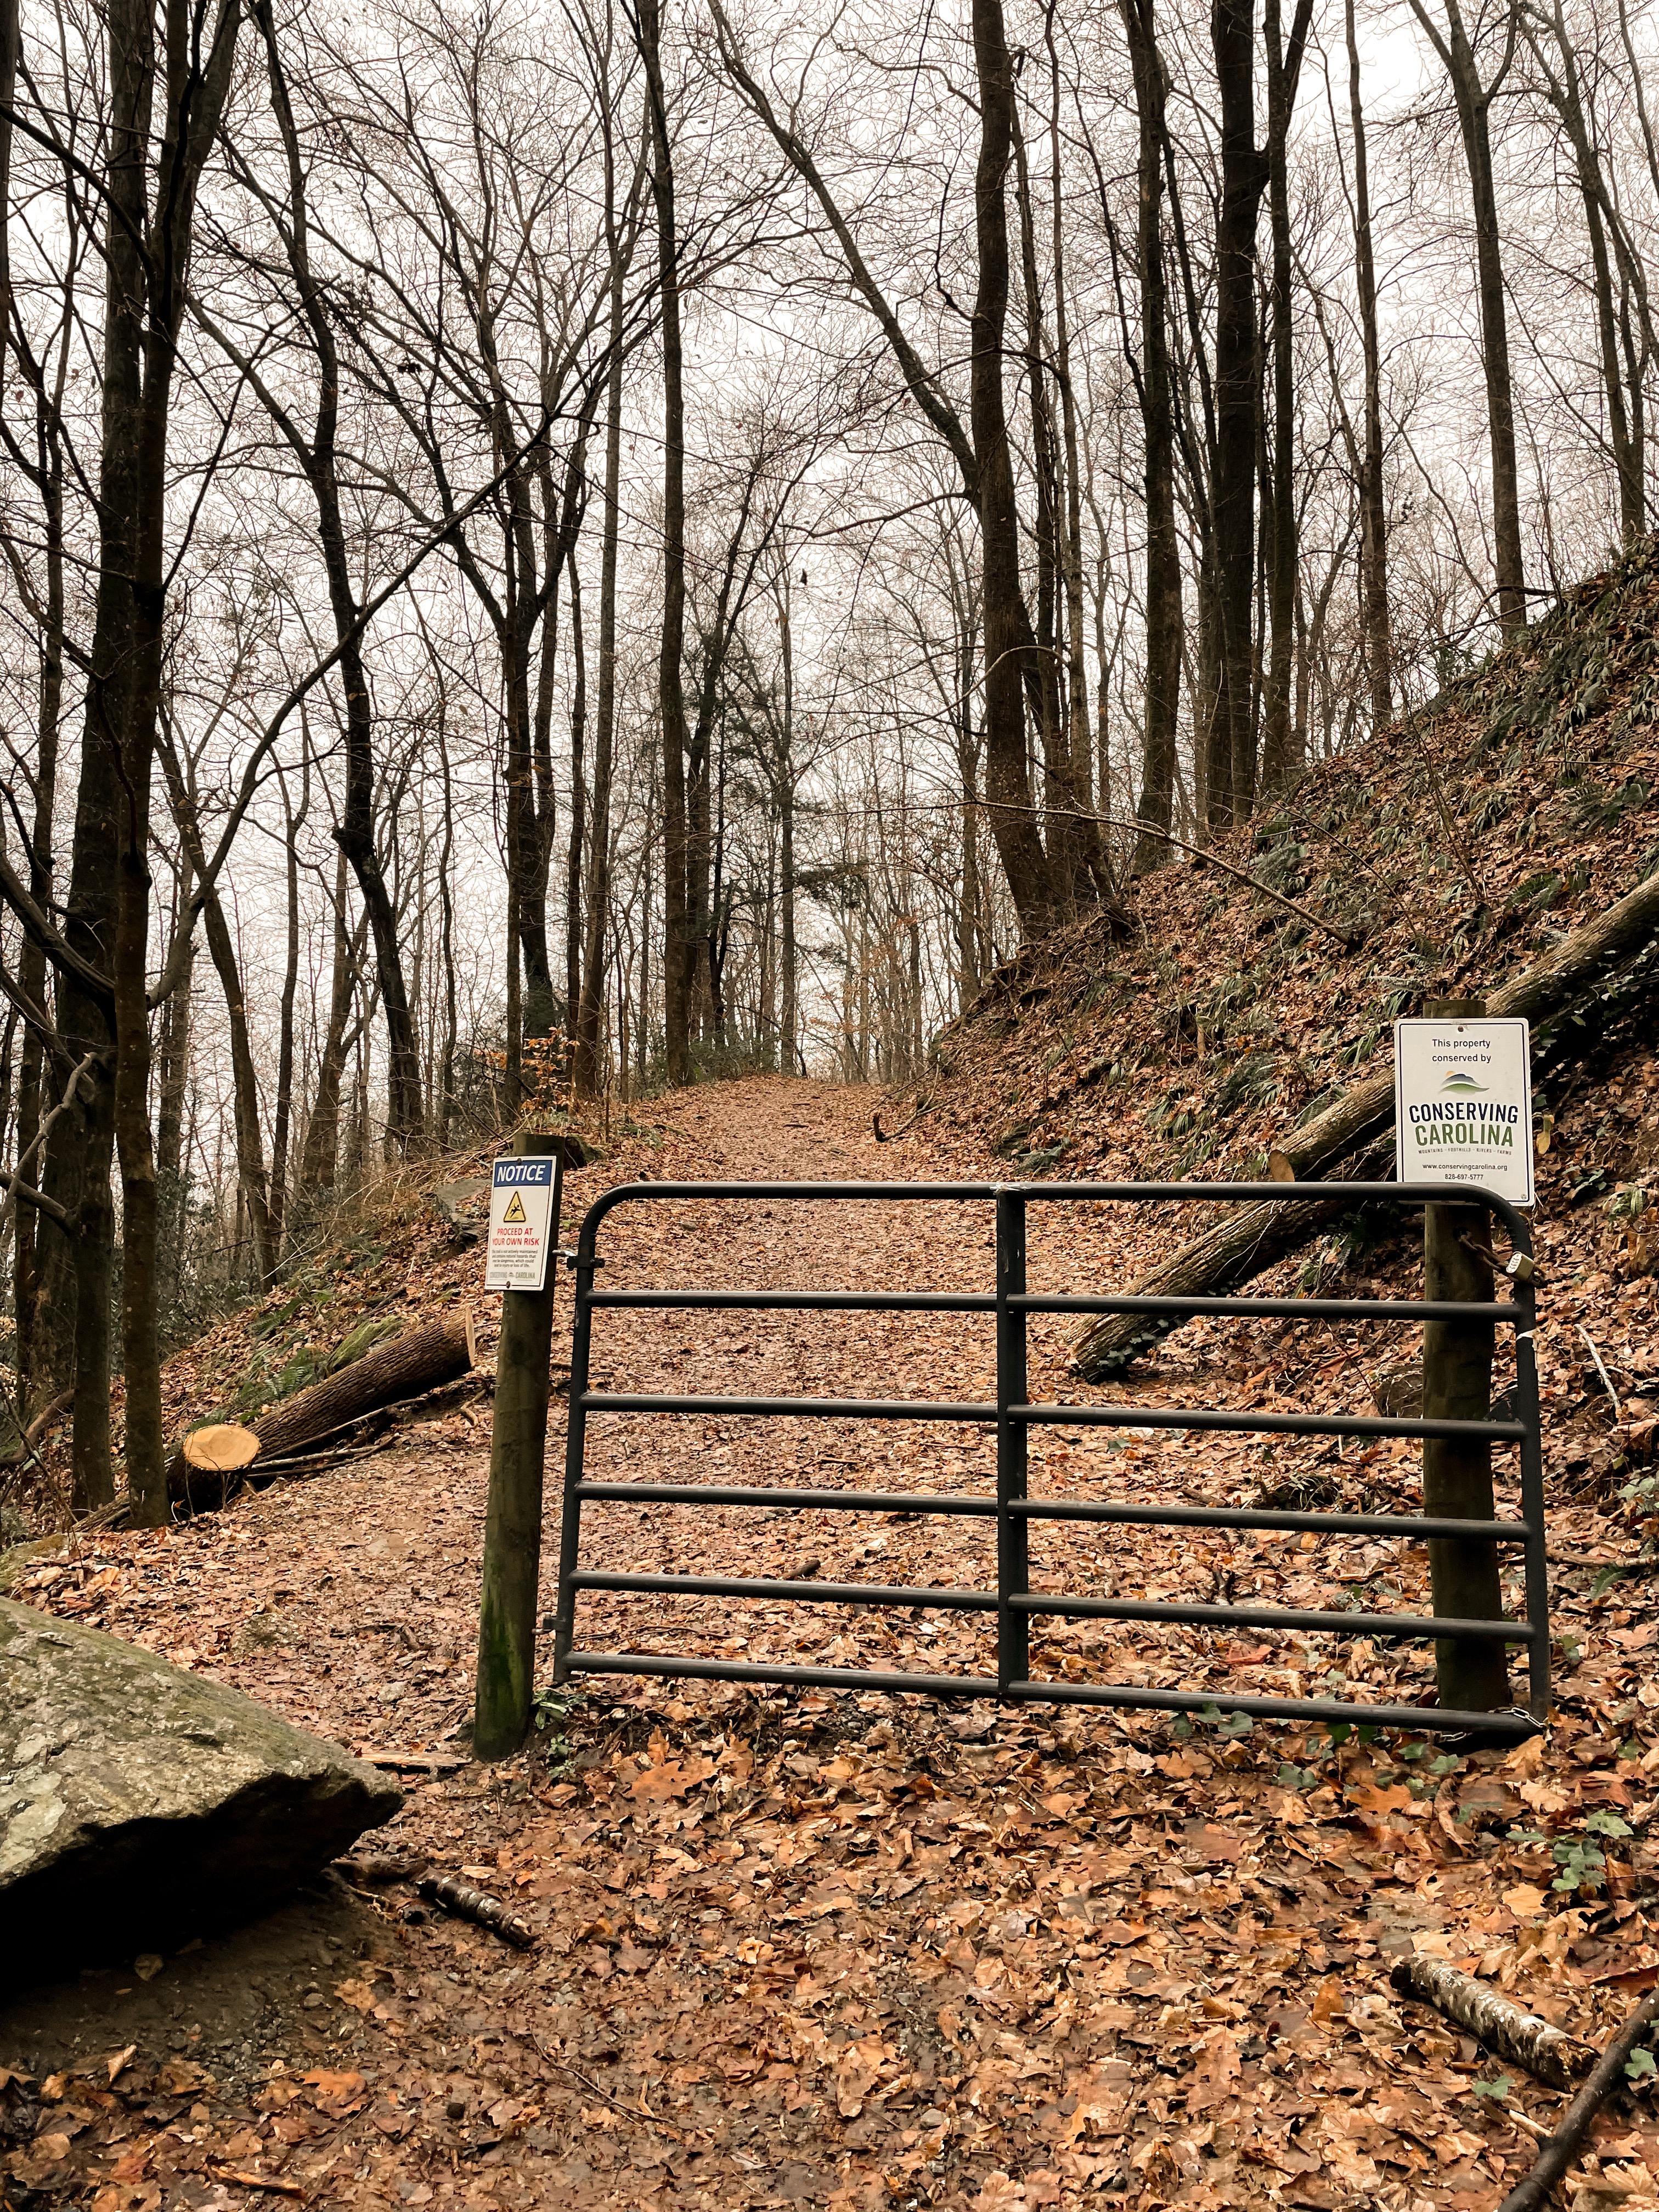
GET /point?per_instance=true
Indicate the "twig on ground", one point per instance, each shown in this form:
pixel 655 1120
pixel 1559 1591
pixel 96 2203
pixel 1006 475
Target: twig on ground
pixel 1618 1409
pixel 592 2089
pixel 1562 2147
pixel 890 1136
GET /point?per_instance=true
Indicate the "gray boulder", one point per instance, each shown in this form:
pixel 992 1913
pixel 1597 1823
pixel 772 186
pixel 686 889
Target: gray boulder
pixel 139 1803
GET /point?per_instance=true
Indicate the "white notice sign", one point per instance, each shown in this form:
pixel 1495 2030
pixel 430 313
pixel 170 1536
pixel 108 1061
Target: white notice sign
pixel 521 1228
pixel 1463 1104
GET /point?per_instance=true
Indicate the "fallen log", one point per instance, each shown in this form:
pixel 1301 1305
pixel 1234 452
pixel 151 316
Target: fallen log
pixel 1252 1238
pixel 1561 2149
pixel 431 1353
pixel 1492 2018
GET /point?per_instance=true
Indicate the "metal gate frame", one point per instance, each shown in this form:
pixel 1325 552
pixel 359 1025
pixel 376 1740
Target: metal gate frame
pixel 1013 1603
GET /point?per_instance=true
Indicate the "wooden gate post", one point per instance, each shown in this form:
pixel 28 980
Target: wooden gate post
pixel 1470 1674
pixel 512 1526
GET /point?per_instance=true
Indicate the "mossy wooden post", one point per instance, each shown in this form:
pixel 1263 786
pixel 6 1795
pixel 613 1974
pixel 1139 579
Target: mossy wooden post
pixel 1471 1675
pixel 512 1527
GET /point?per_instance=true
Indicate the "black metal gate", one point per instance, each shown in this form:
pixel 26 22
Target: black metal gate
pixel 1013 1510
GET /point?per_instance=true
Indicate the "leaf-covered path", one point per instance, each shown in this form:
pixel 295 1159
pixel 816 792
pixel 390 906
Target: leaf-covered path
pixel 853 1948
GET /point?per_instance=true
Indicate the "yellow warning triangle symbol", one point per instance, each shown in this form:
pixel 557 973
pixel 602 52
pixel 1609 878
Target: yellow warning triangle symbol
pixel 514 1208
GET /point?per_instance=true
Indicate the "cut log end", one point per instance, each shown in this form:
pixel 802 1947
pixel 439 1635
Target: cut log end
pixel 220 1447
pixel 422 1358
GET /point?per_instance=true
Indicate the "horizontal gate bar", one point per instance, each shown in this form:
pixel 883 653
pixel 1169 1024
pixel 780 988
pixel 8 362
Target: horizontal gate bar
pixel 758 1670
pixel 1431 1719
pixel 842 1501
pixel 837 1409
pixel 1116 1417
pixel 1399 1310
pixel 894 1593
pixel 1272 1425
pixel 1267 1308
pixel 889 1193
pixel 813 1301
pixel 1396 1626
pixel 1412 1525
pixel 1422 1719
pixel 1400 1627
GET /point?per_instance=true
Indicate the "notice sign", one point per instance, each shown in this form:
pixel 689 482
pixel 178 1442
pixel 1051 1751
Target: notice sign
pixel 521 1228
pixel 1463 1102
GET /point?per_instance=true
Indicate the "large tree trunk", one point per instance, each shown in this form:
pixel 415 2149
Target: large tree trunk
pixel 1251 1238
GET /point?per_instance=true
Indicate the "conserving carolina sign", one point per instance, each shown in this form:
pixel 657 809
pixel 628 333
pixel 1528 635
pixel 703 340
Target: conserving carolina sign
pixel 1463 1104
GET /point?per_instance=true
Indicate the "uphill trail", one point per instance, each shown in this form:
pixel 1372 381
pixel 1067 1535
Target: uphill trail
pixel 854 1949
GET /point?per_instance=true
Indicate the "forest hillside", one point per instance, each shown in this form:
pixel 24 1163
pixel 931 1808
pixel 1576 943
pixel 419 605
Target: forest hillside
pixel 1230 1000
pixel 1449 853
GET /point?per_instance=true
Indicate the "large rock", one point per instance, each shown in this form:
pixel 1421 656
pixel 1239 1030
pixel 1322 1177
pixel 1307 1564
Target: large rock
pixel 139 1803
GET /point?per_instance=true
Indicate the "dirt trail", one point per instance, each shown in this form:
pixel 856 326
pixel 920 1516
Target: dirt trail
pixel 829 1948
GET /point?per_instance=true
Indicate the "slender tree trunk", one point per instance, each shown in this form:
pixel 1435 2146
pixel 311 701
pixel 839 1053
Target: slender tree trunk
pixel 969 926
pixel 1062 808
pixel 590 1009
pixel 1070 541
pixel 1232 752
pixel 1373 506
pixel 245 1085
pixel 319 1158
pixel 512 1067
pixel 318 458
pixel 679 950
pixel 44 1280
pixel 1474 102
pixel 447 913
pixel 173 1086
pixel 1165 613
pixel 573 887
pixel 1279 764
pixel 282 1116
